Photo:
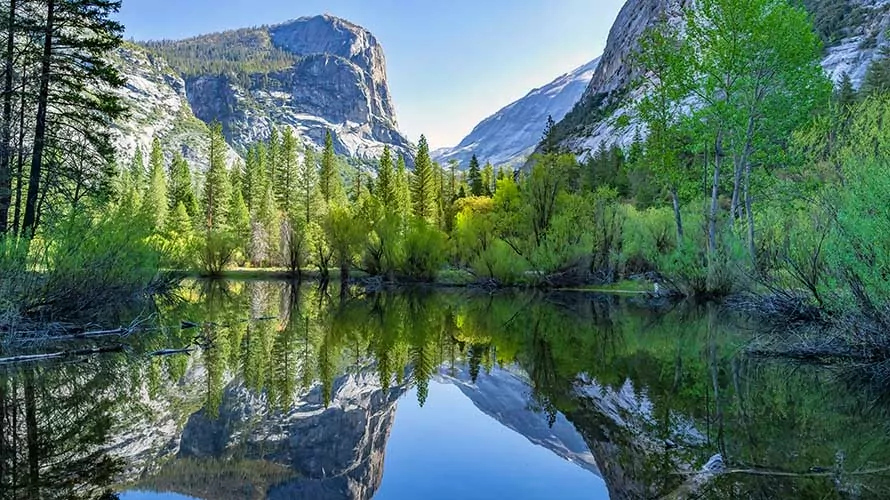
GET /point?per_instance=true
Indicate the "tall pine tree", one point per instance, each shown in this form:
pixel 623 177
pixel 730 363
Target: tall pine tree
pixel 423 188
pixel 181 190
pixel 217 191
pixel 286 172
pixel 386 183
pixel 402 188
pixel 155 203
pixel 330 182
pixel 474 178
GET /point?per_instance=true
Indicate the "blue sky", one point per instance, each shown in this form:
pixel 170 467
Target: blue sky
pixel 449 63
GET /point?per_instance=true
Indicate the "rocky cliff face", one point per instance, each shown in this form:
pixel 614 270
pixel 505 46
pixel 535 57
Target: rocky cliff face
pixel 313 74
pixel 158 107
pixel 858 32
pixel 511 134
pixel 337 82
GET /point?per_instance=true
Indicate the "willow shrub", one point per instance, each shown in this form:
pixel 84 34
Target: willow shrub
pixel 425 251
pixel 88 261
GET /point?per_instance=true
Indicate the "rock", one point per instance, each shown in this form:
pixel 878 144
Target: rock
pixel 337 82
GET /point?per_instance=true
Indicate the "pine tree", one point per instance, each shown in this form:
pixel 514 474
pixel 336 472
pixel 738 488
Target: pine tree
pixel 286 173
pixel 453 166
pixel 137 173
pixel 181 189
pixel 217 191
pixel 273 155
pixel 307 187
pixel 75 99
pixel 488 179
pixel 423 186
pixel 474 178
pixel 330 182
pixel 238 218
pixel 385 190
pixel 548 140
pixel 402 188
pixel 155 203
pixel 845 93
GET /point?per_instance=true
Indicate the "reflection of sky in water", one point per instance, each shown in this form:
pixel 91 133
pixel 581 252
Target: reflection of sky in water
pixel 449 449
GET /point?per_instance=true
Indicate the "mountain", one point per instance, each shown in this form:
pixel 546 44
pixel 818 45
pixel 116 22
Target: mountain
pixel 512 133
pixel 853 32
pixel 313 74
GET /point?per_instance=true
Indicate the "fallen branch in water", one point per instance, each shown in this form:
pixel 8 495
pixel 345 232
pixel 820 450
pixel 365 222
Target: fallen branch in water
pixel 30 358
pixel 170 352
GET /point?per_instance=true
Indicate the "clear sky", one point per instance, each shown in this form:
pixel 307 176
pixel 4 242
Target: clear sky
pixel 450 63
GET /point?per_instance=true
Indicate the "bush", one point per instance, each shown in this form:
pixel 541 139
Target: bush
pixel 215 252
pixel 424 251
pixel 648 236
pixel 87 262
pixel 690 271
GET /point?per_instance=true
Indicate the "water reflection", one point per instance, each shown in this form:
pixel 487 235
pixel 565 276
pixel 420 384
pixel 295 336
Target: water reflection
pixel 292 392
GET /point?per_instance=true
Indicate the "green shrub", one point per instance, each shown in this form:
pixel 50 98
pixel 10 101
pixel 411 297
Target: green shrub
pixel 691 271
pixel 215 252
pixel 425 251
pixel 88 262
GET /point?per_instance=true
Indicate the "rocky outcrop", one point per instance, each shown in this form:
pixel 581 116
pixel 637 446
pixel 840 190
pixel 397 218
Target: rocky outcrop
pixel 337 83
pixel 158 107
pixel 510 135
pixel 336 80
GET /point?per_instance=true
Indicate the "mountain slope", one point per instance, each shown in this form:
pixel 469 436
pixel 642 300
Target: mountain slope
pixel 509 135
pixel 313 74
pixel 853 31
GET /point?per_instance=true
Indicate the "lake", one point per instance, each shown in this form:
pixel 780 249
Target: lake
pixel 302 392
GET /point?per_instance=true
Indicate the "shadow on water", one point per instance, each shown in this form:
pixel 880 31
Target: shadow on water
pixel 292 393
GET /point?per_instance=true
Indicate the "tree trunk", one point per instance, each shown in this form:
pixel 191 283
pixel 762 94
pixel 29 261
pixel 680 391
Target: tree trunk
pixel 678 217
pixel 749 202
pixel 734 209
pixel 29 225
pixel 20 162
pixel 344 273
pixel 5 136
pixel 715 193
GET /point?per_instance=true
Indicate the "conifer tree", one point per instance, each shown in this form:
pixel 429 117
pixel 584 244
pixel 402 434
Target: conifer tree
pixel 217 191
pixel 137 173
pixel 181 189
pixel 402 189
pixel 386 189
pixel 474 178
pixel 273 155
pixel 845 94
pixel 238 218
pixel 155 203
pixel 286 172
pixel 307 187
pixel 423 189
pixel 330 182
pixel 488 179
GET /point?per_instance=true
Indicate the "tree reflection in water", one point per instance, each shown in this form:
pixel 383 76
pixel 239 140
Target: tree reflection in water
pixel 654 391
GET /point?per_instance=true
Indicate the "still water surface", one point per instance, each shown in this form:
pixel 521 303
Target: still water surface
pixel 298 392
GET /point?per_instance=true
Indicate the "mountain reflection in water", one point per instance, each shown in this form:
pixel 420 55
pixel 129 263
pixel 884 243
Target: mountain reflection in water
pixel 302 392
